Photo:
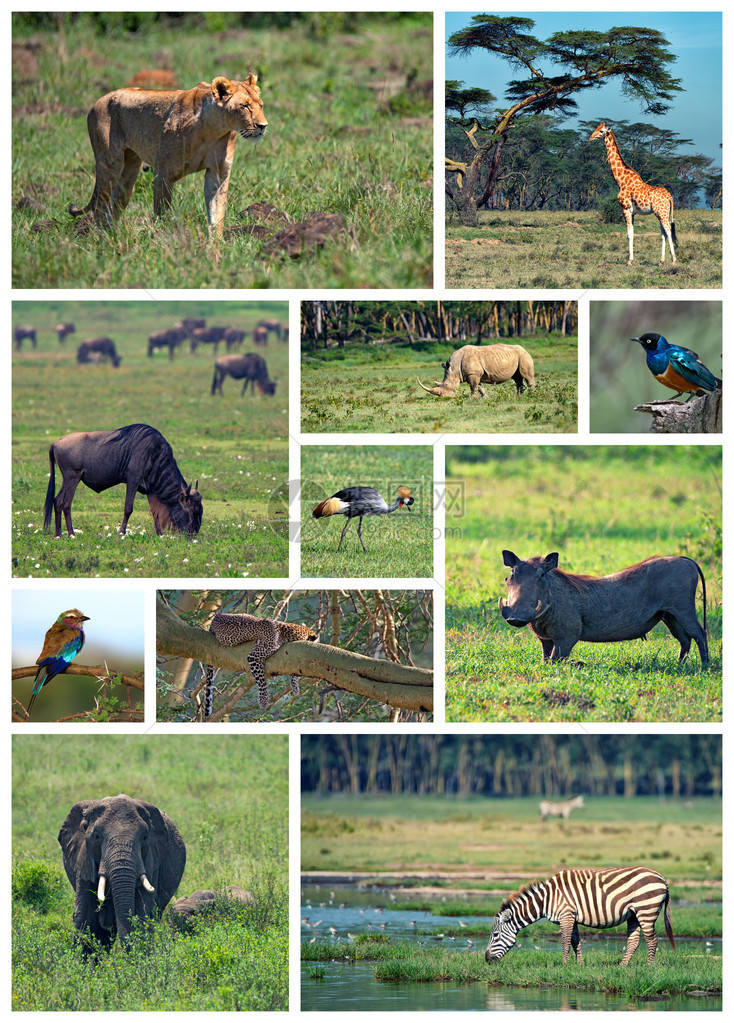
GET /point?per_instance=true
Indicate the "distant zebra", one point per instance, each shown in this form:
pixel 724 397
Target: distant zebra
pixel 550 809
pixel 591 897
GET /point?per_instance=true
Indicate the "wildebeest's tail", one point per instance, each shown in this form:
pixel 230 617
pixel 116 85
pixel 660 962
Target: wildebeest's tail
pixel 49 505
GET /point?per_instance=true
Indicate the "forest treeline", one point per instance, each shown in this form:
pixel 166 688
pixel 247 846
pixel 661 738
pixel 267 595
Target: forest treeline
pixel 512 766
pixel 328 324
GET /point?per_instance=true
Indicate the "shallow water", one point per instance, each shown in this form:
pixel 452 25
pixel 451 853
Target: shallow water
pixel 351 986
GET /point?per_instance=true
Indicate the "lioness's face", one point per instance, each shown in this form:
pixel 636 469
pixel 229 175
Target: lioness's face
pixel 241 106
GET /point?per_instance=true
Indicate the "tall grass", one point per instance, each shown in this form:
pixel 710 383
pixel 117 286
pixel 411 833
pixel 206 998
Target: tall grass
pixel 350 132
pixel 228 796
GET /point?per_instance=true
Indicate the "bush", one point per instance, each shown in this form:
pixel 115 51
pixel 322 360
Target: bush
pixel 37 884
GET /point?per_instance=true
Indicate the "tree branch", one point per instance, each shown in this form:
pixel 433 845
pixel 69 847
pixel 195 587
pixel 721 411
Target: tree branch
pixel 92 671
pixel 700 416
pixel 395 684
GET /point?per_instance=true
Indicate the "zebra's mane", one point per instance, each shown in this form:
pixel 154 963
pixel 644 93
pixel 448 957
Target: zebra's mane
pixel 530 888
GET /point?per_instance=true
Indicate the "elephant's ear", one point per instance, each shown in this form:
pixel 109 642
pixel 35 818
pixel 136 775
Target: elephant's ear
pixel 71 839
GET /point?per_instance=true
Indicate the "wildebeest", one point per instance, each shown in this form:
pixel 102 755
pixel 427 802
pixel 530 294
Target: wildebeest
pixel 97 349
pixel 63 330
pixel 250 366
pixel 271 324
pixel 561 608
pixel 169 339
pixel 484 364
pixel 190 323
pixel 234 337
pixel 260 336
pixel 207 336
pixel 138 456
pixel 21 332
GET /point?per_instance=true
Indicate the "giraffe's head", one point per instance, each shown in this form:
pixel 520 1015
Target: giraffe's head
pixel 599 133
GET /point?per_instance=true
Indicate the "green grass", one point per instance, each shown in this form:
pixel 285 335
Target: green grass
pixel 602 509
pixel 359 388
pixel 229 800
pixel 577 250
pixel 506 838
pixel 398 545
pixel 350 132
pixel 236 447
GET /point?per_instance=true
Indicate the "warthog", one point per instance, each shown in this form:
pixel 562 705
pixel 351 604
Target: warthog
pixel 97 349
pixel 484 364
pixel 561 608
pixel 138 456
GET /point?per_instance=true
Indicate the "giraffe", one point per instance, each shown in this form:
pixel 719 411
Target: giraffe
pixel 637 197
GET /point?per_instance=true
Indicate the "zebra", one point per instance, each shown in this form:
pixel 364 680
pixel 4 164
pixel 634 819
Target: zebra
pixel 550 809
pixel 591 897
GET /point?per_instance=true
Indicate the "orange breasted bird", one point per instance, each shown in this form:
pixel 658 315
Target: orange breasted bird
pixel 678 368
pixel 63 642
pixel 359 502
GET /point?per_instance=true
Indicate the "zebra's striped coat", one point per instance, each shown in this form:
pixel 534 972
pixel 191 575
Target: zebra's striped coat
pixel 590 897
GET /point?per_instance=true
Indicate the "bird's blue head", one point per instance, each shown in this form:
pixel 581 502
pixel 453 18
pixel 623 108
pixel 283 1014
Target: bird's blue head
pixel 653 344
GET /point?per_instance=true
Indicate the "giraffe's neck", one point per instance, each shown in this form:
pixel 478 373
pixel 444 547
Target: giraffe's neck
pixel 616 163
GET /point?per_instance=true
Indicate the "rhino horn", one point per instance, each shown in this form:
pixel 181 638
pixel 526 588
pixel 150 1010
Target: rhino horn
pixel 431 390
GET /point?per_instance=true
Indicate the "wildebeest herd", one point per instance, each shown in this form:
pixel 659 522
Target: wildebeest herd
pixel 139 455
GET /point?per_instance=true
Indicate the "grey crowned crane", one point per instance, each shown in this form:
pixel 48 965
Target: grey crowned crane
pixel 358 502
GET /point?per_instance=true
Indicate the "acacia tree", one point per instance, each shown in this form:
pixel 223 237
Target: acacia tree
pixel 637 57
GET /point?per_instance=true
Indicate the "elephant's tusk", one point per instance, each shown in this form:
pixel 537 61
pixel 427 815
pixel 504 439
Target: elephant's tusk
pixel 101 888
pixel 146 883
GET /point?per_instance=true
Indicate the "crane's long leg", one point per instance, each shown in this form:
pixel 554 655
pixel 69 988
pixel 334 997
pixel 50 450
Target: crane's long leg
pixel 343 532
pixel 359 534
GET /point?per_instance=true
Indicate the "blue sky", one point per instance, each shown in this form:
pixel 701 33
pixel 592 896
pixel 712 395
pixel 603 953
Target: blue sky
pixel 695 38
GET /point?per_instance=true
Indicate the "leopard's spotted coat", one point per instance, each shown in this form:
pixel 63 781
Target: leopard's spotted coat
pixel 268 636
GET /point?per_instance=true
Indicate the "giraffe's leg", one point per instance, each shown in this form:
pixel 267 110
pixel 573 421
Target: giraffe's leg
pixel 666 232
pixel 630 218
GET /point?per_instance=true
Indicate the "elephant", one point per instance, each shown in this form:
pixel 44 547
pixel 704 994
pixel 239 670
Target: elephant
pixel 124 858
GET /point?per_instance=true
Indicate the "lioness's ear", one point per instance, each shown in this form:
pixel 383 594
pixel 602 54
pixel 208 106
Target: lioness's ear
pixel 251 80
pixel 221 88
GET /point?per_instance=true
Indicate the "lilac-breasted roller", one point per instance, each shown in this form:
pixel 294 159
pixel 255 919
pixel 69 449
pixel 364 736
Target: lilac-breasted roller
pixel 63 642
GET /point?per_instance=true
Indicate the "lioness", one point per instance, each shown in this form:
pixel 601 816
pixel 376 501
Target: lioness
pixel 177 133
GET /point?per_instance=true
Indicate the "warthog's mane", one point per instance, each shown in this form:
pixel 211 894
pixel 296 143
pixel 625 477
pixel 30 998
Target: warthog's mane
pixel 583 583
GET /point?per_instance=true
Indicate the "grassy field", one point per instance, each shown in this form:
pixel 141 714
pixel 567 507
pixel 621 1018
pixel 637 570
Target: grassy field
pixel 359 389
pixel 577 250
pixel 349 107
pixel 398 545
pixel 393 834
pixel 229 799
pixel 602 509
pixel 236 447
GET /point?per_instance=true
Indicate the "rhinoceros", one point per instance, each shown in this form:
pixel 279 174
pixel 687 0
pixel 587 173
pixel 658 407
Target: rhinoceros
pixel 562 608
pixel 484 364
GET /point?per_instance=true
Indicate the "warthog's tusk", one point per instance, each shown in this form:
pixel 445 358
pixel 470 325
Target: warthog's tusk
pixel 502 603
pixel 146 883
pixel 101 888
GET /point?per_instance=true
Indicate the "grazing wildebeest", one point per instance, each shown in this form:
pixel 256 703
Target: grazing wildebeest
pixel 97 349
pixel 260 336
pixel 207 336
pixel 21 332
pixel 190 323
pixel 63 330
pixel 138 456
pixel 275 325
pixel 562 609
pixel 169 339
pixel 234 337
pixel 251 367
pixel 286 334
pixel 484 364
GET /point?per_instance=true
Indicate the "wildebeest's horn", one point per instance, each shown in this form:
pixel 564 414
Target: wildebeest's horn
pixel 188 489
